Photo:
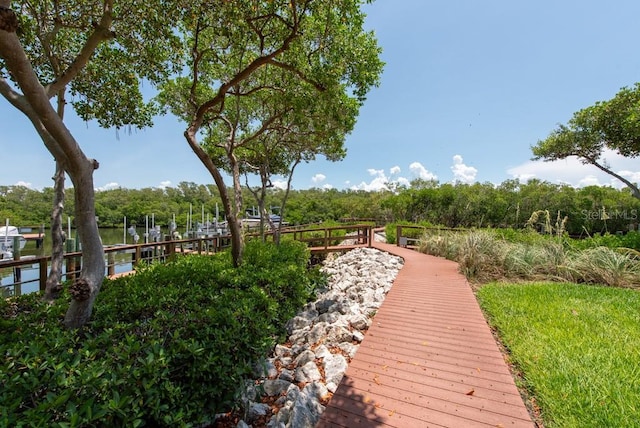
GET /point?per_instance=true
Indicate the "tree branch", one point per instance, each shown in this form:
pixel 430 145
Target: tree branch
pixel 20 103
pixel 102 32
pixel 634 188
pixel 62 145
pixel 298 73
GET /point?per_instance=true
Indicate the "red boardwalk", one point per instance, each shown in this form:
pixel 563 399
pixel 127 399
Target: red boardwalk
pixel 428 360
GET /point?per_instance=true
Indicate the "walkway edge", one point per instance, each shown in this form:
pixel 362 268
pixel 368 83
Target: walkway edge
pixel 429 358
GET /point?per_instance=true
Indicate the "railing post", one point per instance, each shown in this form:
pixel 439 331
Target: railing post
pixel 17 271
pixel 170 246
pixel 111 264
pixel 42 267
pixel 327 238
pixel 71 261
pixel 138 255
pixel 398 234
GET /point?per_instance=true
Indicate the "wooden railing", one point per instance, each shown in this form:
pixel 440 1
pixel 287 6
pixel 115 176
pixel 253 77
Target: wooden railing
pixel 124 256
pixel 335 238
pixel 411 239
pixel 122 259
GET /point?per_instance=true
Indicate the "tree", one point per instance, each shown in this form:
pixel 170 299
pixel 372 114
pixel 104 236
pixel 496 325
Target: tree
pixel 319 43
pixel 100 50
pixel 309 124
pixel 612 124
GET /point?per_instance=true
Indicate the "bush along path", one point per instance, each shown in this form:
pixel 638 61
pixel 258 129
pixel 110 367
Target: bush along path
pixel 294 383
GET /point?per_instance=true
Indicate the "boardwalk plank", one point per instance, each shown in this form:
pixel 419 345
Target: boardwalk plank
pixel 428 359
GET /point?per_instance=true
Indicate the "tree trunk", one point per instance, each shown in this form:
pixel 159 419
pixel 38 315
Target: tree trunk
pixel 53 285
pixel 235 228
pixel 66 150
pixel 237 233
pixel 277 235
pixel 85 289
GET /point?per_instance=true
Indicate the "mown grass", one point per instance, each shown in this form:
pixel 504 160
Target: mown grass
pixel 576 346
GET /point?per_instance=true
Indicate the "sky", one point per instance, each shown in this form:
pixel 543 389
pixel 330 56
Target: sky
pixel 468 87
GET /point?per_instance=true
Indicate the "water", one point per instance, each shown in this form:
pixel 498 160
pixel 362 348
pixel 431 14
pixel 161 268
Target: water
pixel 30 273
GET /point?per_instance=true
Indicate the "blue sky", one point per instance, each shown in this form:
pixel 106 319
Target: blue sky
pixel 468 87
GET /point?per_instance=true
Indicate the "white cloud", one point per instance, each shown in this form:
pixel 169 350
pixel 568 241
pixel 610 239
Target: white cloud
pixel 24 184
pixel 279 184
pixel 164 184
pixel 573 172
pixel 589 180
pixel 318 178
pixel 382 181
pixel 421 172
pixel 403 182
pixel 634 177
pixel 378 183
pixel 327 186
pixel 461 172
pixel 108 186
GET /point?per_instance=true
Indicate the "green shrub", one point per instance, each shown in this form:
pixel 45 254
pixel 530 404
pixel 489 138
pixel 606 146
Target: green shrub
pixel 168 346
pixel 630 240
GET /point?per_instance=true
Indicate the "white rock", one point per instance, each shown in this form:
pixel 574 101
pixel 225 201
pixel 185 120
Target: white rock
pixel 308 373
pixel 334 368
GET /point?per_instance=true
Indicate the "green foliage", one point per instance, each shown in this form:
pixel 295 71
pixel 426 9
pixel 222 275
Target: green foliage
pixel 630 240
pixel 167 346
pixel 507 206
pixel 611 124
pixel 576 347
pixel 416 231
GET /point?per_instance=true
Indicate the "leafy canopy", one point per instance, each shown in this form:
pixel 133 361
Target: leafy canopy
pixel 612 124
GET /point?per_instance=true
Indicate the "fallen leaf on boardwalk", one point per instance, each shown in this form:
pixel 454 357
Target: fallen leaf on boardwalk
pixel 379 406
pixel 471 392
pixel 385 367
pixel 392 412
pixel 366 400
pixel 478 368
pixel 376 380
pixel 425 343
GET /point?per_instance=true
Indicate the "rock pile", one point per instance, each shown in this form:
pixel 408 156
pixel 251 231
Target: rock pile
pixel 300 375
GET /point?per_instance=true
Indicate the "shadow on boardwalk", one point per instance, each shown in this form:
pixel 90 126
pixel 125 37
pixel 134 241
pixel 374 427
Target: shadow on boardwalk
pixel 429 358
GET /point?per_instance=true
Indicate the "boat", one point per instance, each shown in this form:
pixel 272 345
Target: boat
pixel 252 221
pixel 7 237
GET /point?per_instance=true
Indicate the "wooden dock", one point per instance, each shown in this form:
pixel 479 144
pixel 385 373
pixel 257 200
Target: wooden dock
pixel 428 360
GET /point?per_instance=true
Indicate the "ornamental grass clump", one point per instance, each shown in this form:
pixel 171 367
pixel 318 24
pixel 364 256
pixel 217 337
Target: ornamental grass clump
pixel 442 244
pixel 545 260
pixel 481 256
pixel 602 265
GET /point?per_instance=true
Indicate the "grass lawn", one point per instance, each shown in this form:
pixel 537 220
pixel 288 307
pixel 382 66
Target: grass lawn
pixel 577 347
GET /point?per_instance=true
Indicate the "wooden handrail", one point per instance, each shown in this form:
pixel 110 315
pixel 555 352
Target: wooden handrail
pixel 163 250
